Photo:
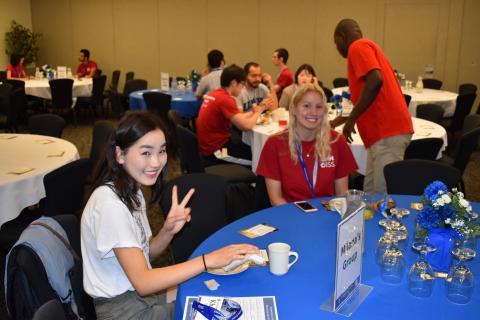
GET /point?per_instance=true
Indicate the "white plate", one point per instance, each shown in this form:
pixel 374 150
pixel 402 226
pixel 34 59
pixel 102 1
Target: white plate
pixel 222 272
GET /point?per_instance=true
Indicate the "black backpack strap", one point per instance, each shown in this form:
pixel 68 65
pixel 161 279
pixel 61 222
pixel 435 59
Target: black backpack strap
pixel 75 255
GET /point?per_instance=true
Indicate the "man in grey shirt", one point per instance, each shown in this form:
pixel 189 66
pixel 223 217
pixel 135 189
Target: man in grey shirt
pixel 211 75
pixel 255 92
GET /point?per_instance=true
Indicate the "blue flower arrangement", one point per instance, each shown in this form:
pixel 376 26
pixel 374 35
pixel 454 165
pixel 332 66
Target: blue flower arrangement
pixel 446 209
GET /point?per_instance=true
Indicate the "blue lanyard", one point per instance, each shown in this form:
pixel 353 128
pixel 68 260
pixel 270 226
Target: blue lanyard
pixel 304 167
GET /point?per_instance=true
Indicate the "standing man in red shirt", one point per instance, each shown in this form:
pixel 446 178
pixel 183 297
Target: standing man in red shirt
pixel 87 68
pixel 219 111
pixel 285 77
pixel 380 111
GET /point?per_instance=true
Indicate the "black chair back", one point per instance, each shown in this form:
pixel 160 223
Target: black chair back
pixel 340 82
pixel 408 98
pixel 98 72
pixel 65 186
pixel 17 84
pixel 61 93
pixel 128 76
pixel 116 103
pixel 413 175
pixel 97 90
pixel 52 309
pixel 466 88
pixel 102 130
pixel 262 201
pixel 135 85
pixel 3 76
pixel 208 210
pixel 115 80
pixel 432 84
pixel 190 158
pixel 47 124
pixel 158 103
pixel 426 149
pixel 466 146
pixel 430 111
pixel 462 109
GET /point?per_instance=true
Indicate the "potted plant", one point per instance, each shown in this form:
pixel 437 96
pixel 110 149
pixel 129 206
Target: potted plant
pixel 20 39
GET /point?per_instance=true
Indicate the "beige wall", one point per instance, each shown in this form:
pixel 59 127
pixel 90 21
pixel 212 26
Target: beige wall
pixel 150 36
pixel 18 10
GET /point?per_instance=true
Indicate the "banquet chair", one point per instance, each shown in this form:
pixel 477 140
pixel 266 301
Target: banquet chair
pixel 158 103
pixel 462 109
pixel 340 82
pixel 432 83
pixel 98 72
pixel 116 102
pixel 46 124
pixel 426 149
pixel 112 86
pixel 208 205
pixel 191 161
pixel 413 175
pixel 27 106
pixel 132 86
pixel 408 98
pixel 62 96
pixel 262 201
pixel 5 106
pixel 328 93
pixel 430 111
pixel 130 75
pixel 26 270
pixel 102 130
pixel 96 99
pixel 3 76
pixel 466 146
pixel 51 309
pixel 465 88
pixel 65 186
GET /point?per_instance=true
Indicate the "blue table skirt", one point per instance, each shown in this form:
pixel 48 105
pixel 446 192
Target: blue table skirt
pixel 310 282
pixel 184 102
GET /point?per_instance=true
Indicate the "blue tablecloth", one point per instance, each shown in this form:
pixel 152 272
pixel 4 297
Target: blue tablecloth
pixel 184 102
pixel 310 282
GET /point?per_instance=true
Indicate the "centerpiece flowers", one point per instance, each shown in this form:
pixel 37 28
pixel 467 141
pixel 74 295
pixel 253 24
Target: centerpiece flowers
pixel 47 70
pixel 446 216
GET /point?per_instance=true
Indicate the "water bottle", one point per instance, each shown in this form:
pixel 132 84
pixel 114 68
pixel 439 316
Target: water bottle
pixel 174 83
pixel 419 85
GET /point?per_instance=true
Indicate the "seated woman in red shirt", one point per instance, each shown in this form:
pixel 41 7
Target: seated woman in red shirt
pixel 309 160
pixel 15 68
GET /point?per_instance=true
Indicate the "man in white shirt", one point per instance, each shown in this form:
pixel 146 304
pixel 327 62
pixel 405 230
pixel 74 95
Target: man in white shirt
pixel 211 75
pixel 255 92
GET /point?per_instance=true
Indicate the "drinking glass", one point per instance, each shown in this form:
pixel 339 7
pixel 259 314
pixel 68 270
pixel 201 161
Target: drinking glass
pixel 420 276
pixel 460 281
pixel 387 223
pixel 382 244
pixel 393 259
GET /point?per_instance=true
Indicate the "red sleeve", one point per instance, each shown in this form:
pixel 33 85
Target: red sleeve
pixel 79 68
pixel 93 64
pixel 362 59
pixel 285 78
pixel 229 108
pixel 345 162
pixel 10 68
pixel 268 165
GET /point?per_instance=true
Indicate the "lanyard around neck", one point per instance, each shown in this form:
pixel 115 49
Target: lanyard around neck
pixel 311 185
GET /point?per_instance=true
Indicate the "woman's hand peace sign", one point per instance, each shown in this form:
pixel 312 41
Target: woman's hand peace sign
pixel 179 214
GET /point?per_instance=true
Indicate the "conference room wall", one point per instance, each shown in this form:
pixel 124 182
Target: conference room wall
pixel 151 36
pixel 12 10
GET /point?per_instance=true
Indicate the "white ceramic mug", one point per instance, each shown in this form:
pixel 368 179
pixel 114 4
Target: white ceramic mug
pixel 339 205
pixel 279 255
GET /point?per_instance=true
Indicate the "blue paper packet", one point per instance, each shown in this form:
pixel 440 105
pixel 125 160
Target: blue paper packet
pixel 230 310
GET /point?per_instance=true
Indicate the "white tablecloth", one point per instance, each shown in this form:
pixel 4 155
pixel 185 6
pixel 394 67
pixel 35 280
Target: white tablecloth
pixel 40 88
pixel 18 191
pixel 447 100
pixel 257 137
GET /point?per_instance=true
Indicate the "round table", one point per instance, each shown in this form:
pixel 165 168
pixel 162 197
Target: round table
pixel 19 152
pixel 257 137
pixel 184 102
pixel 40 88
pixel 446 99
pixel 310 282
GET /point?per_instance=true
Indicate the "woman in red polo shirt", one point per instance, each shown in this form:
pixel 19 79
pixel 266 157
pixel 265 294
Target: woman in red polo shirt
pixel 309 160
pixel 15 68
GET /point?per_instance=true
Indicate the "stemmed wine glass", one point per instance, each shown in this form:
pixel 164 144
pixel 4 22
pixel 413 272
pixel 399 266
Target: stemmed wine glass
pixel 393 259
pixel 460 281
pixel 387 223
pixel 420 276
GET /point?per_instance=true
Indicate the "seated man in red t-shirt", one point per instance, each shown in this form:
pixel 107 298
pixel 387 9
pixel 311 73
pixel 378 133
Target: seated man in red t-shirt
pixel 219 111
pixel 87 68
pixel 310 160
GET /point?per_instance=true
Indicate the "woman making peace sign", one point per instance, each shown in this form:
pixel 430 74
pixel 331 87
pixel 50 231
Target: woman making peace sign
pixel 117 242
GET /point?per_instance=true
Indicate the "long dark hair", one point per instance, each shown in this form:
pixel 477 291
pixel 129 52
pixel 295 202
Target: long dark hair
pixel 305 67
pixel 15 59
pixel 133 126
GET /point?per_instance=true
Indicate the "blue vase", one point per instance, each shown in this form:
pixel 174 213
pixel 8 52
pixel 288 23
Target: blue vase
pixel 443 240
